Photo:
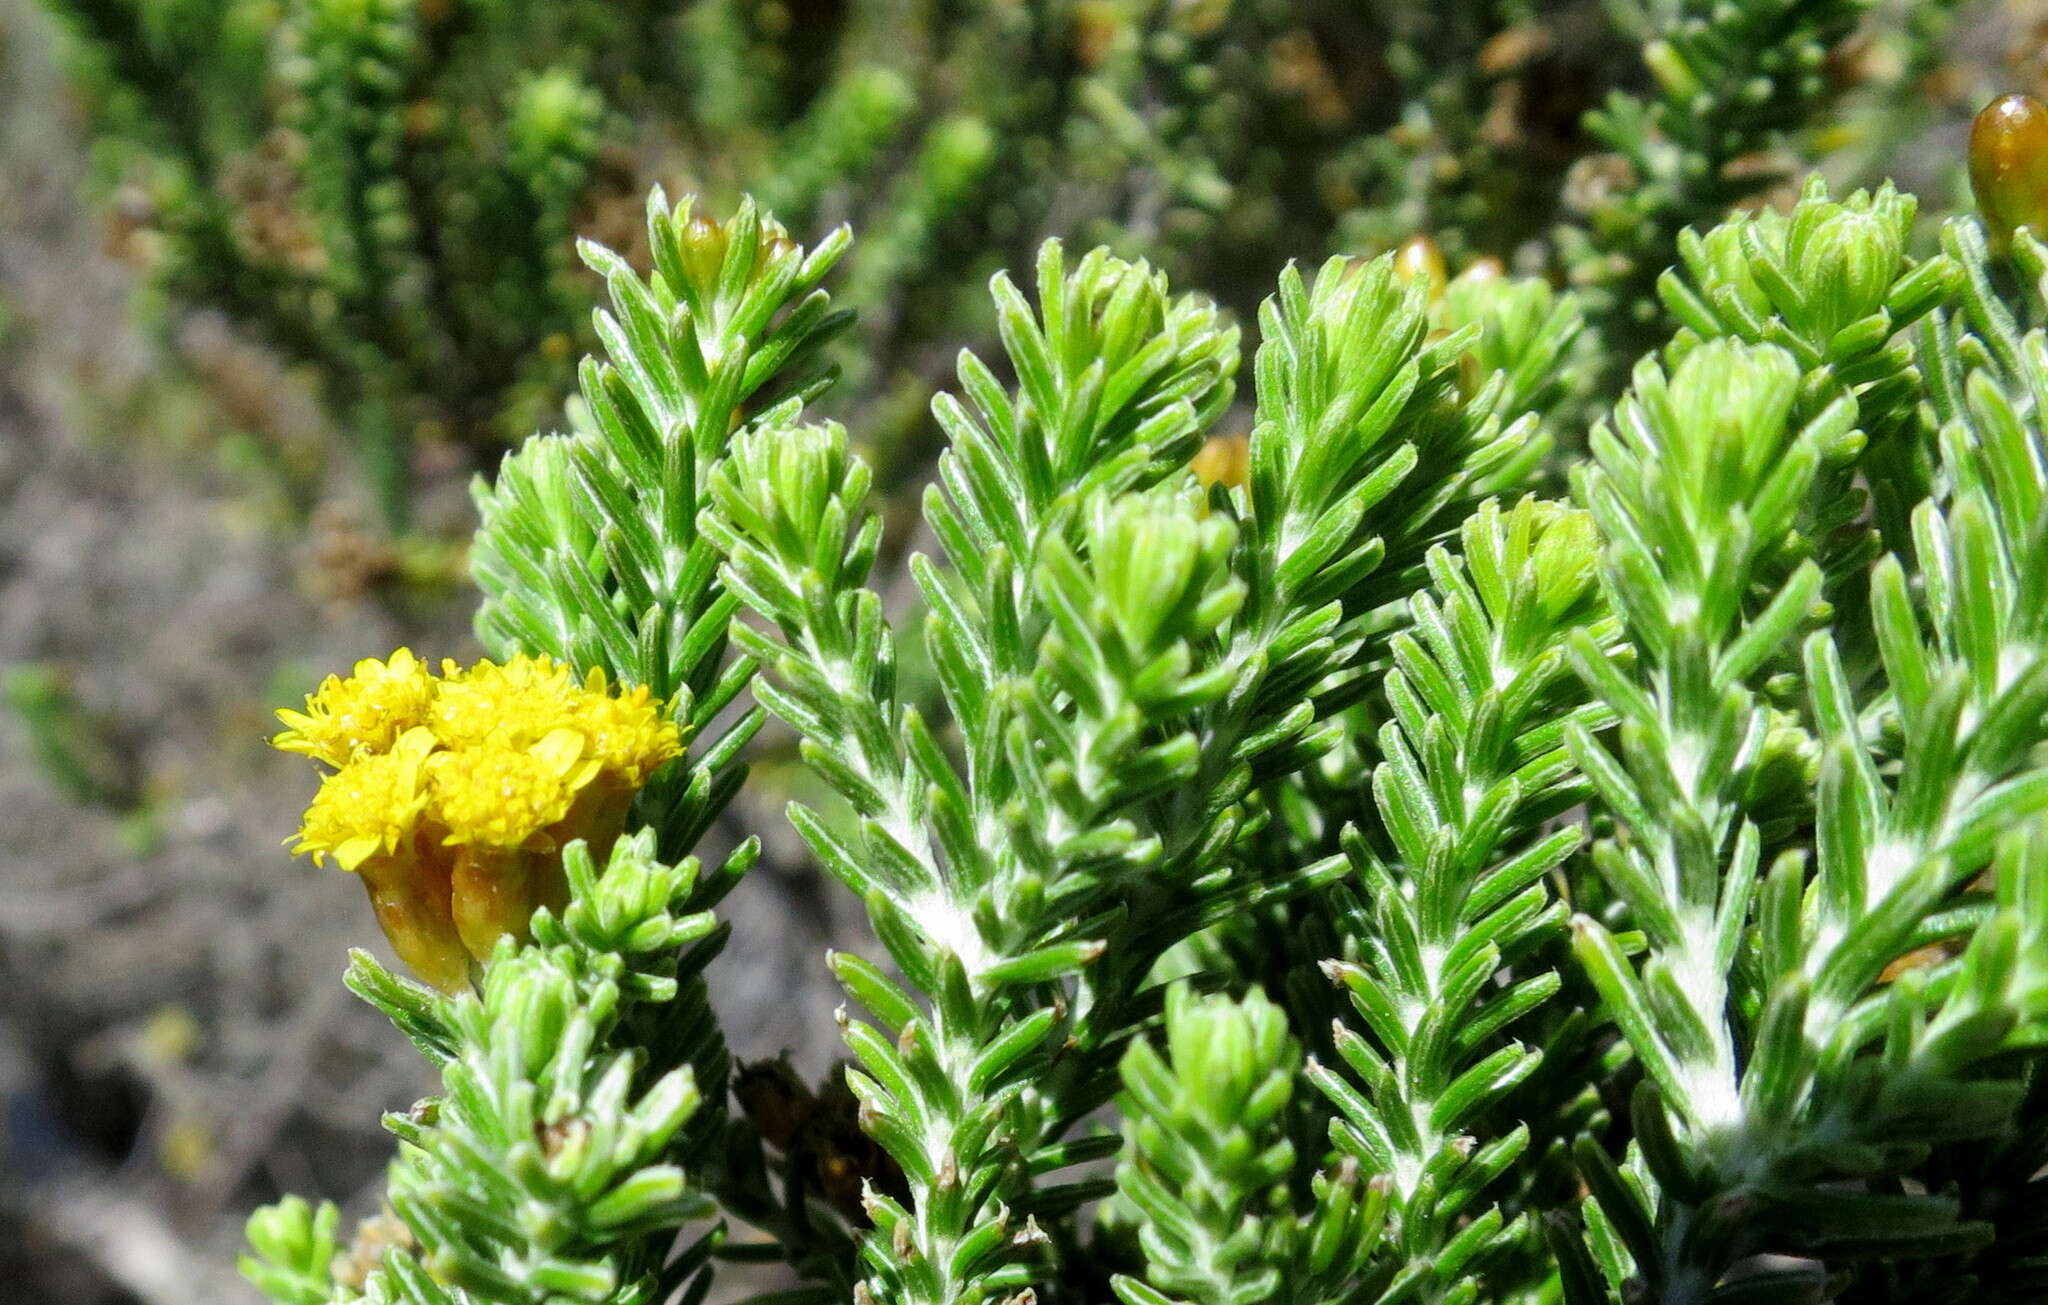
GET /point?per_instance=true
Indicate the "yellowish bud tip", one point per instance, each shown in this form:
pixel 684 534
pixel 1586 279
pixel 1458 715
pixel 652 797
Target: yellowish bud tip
pixel 1484 268
pixel 1418 259
pixel 1225 460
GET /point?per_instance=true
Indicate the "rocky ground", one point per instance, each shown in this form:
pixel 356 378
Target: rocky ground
pixel 175 1046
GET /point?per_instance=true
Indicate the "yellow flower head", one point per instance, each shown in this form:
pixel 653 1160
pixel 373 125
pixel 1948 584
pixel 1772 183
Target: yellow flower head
pixel 453 796
pixel 371 805
pixel 498 796
pixel 511 706
pixel 516 705
pixel 366 712
pixel 629 735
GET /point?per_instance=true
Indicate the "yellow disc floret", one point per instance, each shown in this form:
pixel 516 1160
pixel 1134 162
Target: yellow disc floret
pixel 362 714
pixel 629 735
pixel 515 705
pixel 497 796
pixel 519 703
pixel 370 805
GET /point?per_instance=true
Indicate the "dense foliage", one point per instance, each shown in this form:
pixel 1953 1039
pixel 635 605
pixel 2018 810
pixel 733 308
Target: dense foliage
pixel 384 191
pixel 1462 716
pixel 1389 855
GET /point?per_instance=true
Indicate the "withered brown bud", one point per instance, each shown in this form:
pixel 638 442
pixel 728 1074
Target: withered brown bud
pixel 775 1099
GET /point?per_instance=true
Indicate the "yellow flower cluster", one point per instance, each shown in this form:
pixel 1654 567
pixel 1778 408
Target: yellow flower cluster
pixel 451 796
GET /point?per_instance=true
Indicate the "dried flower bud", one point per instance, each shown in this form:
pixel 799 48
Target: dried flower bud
pixel 775 1099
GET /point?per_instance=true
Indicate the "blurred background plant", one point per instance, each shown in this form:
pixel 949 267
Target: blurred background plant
pixel 278 276
pixel 383 192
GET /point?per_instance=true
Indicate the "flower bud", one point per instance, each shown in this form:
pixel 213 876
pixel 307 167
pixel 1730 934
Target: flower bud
pixel 1485 269
pixel 771 243
pixel 2009 165
pixel 1418 259
pixel 1224 460
pixel 703 244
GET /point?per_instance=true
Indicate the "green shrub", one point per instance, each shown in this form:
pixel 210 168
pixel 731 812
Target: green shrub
pixel 1383 869
pixel 384 190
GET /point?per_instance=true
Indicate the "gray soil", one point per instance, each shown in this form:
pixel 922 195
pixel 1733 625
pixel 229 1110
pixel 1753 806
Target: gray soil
pixel 175 1044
